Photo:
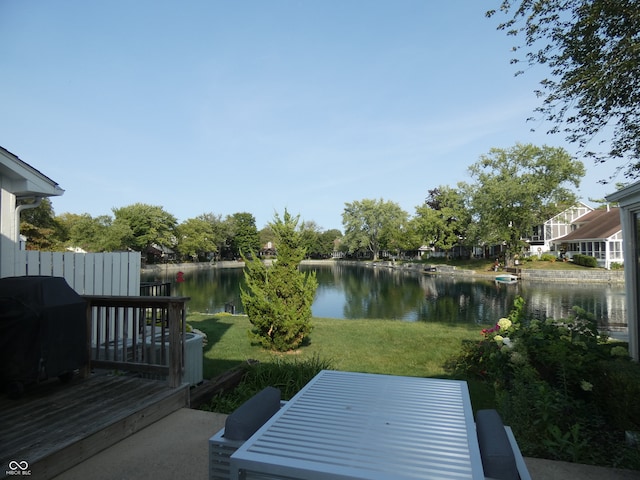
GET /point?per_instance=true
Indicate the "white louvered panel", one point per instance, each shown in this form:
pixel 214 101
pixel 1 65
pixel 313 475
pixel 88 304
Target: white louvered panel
pixel 351 425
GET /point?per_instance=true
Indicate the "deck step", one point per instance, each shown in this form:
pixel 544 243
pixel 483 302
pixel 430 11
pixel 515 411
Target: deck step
pixel 55 428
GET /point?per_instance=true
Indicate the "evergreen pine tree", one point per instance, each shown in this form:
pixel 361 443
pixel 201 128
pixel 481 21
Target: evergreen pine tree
pixel 278 299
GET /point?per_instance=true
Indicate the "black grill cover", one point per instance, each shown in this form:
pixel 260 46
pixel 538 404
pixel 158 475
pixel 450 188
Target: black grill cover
pixel 43 329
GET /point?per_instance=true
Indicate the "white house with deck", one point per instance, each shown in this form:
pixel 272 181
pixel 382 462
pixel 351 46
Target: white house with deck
pixel 558 226
pixel 18 181
pixel 116 273
pixel 596 234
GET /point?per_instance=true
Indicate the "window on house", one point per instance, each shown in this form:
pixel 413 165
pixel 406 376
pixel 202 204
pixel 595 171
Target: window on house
pixel 615 250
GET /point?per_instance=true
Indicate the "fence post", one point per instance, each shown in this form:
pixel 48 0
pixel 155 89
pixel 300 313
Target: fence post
pixel 85 371
pixel 176 339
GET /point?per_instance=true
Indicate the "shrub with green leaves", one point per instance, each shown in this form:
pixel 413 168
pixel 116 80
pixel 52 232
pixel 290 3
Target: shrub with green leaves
pixel 278 298
pixel 289 376
pixel 585 260
pixel 487 358
pixel 567 392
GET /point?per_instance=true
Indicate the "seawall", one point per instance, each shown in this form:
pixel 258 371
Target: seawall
pixel 566 276
pixel 161 269
pixel 595 275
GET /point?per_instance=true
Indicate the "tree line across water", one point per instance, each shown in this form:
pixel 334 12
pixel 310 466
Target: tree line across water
pixel 513 191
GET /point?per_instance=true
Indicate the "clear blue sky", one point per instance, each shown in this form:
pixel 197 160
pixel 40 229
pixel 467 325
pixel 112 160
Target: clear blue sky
pixel 253 106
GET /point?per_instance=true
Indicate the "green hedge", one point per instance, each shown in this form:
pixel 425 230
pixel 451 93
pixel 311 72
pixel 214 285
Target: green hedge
pixel 585 260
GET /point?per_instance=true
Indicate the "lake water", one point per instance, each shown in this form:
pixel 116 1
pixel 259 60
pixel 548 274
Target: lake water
pixel 348 292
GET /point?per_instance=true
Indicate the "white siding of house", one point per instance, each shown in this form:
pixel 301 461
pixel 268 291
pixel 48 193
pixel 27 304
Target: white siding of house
pixel 559 225
pixel 629 200
pixel 605 250
pixel 7 231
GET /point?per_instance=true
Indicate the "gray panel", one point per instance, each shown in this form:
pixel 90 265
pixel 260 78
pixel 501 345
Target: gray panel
pixel 350 425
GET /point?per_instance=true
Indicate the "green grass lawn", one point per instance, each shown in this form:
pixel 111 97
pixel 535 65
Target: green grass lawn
pixel 373 346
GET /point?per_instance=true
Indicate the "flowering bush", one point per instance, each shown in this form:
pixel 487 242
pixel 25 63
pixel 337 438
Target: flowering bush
pixel 552 380
pixel 500 332
pixel 488 357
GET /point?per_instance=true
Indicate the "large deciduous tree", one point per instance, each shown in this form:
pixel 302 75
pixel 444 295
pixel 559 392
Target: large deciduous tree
pixel 328 240
pixel 220 229
pixel 318 243
pixel 372 225
pixel 40 226
pixel 245 239
pixel 278 298
pixel 593 50
pixel 96 234
pixel 517 188
pixel 442 220
pixel 149 225
pixel 310 238
pixel 196 238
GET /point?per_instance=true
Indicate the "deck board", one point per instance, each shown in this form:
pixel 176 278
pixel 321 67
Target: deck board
pixel 56 426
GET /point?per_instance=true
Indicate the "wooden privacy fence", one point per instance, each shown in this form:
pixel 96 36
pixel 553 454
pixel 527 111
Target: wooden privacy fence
pixel 139 334
pixel 115 273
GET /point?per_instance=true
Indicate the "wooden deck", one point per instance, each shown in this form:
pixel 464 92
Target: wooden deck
pixel 55 426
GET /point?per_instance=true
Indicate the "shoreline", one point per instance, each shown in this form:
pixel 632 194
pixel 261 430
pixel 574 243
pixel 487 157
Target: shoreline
pixel 535 275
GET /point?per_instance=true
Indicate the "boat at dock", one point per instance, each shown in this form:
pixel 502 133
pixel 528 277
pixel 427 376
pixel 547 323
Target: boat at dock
pixel 506 278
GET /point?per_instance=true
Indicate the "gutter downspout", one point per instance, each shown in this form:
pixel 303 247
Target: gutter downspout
pixel 20 209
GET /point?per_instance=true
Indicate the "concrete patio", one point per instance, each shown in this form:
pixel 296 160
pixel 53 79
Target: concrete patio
pixel 177 447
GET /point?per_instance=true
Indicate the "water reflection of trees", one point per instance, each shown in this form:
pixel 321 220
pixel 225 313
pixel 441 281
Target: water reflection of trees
pixel 394 294
pixel 452 299
pixel 366 292
pixel 384 293
pixel 380 293
pixel 209 290
pixel 551 300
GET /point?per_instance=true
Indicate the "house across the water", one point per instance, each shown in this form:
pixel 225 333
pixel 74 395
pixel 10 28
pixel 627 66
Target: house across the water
pixel 596 234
